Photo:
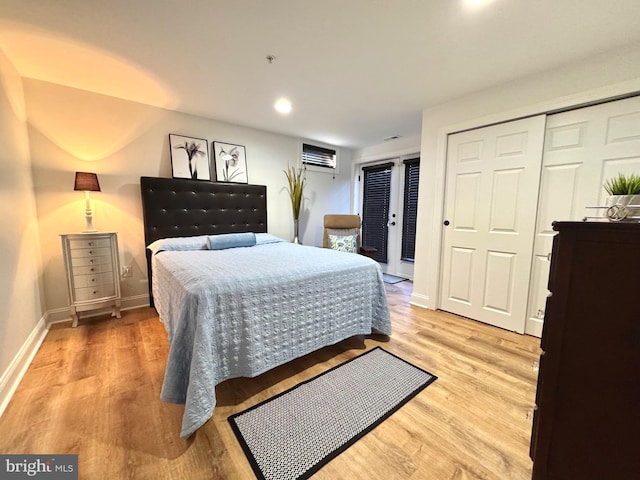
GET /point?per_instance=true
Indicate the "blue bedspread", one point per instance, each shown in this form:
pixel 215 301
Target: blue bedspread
pixel 242 311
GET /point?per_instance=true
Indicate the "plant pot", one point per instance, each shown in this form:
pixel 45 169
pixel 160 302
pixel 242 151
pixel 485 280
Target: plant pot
pixel 623 208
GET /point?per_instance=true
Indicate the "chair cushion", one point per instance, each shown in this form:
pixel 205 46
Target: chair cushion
pixel 343 243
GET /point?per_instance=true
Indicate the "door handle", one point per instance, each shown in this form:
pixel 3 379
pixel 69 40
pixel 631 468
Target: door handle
pixel 392 224
pixel 446 223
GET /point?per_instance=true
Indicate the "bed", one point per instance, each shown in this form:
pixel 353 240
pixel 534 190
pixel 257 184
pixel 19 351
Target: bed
pixel 237 301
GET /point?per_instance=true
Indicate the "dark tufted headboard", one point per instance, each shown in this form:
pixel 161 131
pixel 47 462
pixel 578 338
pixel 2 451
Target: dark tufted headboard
pixel 176 207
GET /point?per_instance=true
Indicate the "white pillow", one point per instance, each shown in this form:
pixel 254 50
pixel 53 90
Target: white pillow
pixel 179 243
pixel 265 238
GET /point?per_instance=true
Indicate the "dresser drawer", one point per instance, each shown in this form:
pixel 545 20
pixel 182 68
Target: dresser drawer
pixel 76 243
pixel 90 252
pixel 89 261
pixel 92 268
pixel 94 293
pixel 93 280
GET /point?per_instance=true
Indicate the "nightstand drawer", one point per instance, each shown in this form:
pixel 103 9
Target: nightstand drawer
pixel 89 243
pixel 92 268
pixel 90 252
pixel 89 261
pixel 94 293
pixel 93 280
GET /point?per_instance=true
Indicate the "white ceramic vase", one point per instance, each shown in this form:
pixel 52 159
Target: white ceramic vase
pixel 623 208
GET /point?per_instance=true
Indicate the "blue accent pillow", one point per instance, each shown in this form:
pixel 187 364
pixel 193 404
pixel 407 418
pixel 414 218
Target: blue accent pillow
pixel 231 240
pixel 344 243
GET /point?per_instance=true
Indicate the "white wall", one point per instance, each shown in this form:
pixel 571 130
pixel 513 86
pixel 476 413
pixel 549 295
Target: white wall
pixel 389 149
pixel 600 77
pixel 74 130
pixel 381 151
pixel 21 297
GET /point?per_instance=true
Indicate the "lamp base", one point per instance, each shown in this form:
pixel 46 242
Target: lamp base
pixel 89 218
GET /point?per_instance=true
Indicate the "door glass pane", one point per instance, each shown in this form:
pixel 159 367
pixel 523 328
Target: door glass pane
pixel 375 209
pixel 410 208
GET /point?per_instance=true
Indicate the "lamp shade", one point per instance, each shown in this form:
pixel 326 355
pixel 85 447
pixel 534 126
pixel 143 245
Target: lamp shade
pixel 87 182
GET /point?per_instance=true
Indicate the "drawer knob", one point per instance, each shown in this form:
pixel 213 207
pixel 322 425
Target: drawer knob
pixel 95 291
pixel 90 252
pixel 90 244
pixel 92 269
pixel 90 261
pixel 93 279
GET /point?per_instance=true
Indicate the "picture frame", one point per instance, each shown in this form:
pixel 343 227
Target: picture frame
pixel 230 162
pixel 189 157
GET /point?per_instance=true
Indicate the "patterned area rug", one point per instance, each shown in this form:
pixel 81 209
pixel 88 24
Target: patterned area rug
pixel 292 435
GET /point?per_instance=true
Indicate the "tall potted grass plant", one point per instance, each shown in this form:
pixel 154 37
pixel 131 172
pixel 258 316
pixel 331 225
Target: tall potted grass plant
pixel 295 178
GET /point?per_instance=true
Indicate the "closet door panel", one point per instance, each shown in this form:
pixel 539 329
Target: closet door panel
pixel 583 148
pixel 493 176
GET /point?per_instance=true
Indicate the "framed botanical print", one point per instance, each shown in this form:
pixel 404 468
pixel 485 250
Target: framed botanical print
pixel 231 163
pixel 189 157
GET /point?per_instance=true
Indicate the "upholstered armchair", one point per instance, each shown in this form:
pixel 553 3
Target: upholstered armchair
pixel 342 232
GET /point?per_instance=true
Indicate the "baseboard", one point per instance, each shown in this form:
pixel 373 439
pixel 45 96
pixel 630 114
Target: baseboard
pixel 12 377
pixel 419 300
pixel 136 301
pixel 533 326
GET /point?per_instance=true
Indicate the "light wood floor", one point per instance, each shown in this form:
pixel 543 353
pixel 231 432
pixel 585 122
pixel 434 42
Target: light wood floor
pixel 94 391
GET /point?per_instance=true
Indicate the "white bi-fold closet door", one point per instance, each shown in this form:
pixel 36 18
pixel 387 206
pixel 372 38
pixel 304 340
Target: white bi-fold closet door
pixel 505 185
pixel 582 149
pixel 492 182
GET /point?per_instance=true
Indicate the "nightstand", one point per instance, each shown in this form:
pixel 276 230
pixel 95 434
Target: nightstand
pixel 92 269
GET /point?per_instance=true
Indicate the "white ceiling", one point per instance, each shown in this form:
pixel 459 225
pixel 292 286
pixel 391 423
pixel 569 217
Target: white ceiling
pixel 356 71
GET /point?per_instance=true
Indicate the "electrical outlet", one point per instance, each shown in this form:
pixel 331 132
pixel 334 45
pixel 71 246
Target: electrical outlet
pixel 126 271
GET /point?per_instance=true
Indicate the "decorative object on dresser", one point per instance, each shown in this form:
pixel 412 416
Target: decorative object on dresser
pixel 87 182
pixel 231 163
pixel 624 197
pixel 92 269
pixel 189 157
pixel 586 423
pixel 295 179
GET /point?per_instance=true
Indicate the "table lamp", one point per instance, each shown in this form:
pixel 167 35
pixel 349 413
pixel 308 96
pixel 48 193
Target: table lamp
pixel 87 182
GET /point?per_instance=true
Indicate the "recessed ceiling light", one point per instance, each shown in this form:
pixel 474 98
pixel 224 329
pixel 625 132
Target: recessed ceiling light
pixel 283 106
pixel 475 4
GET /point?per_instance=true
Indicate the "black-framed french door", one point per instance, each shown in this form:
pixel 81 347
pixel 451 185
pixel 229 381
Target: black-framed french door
pixel 389 193
pixel 376 200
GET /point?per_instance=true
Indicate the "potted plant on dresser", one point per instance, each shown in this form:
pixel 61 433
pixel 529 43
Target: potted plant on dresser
pixel 624 197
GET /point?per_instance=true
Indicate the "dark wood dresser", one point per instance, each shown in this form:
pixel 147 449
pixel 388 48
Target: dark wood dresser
pixel 587 419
